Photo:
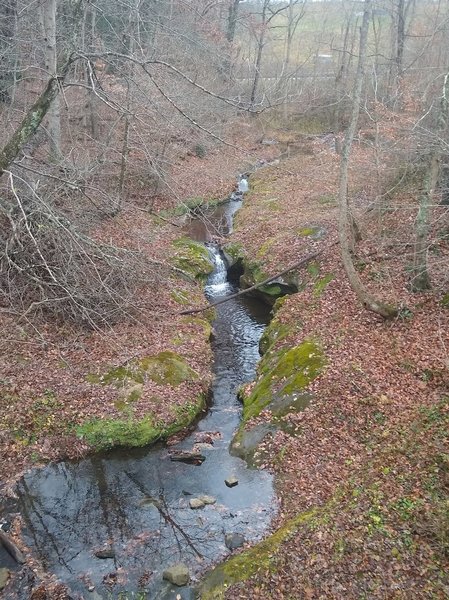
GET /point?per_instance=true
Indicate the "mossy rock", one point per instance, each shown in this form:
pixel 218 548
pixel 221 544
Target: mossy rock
pixel 202 324
pixel 321 285
pixel 181 297
pixel 315 232
pixel 103 434
pixel 165 368
pixel 275 332
pixel 285 373
pixel 243 566
pixel 192 258
pixel 246 442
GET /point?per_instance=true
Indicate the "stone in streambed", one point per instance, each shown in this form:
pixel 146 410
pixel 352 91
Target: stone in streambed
pixel 106 553
pixel 207 499
pixel 231 482
pixel 195 503
pixel 178 574
pixel 234 540
pixel 4 576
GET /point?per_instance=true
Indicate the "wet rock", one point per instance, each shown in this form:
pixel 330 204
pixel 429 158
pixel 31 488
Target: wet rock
pixel 207 499
pixel 191 458
pixel 178 574
pixel 234 540
pixel 246 442
pixel 4 576
pixel 106 553
pixel 206 437
pixel 196 503
pixel 231 481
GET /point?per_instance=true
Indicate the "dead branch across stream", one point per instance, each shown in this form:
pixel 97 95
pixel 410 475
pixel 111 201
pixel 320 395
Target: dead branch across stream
pixel 296 265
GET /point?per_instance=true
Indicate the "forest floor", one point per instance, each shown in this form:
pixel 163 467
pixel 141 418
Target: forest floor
pixel 366 464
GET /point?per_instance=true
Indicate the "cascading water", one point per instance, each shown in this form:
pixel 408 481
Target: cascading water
pixel 135 503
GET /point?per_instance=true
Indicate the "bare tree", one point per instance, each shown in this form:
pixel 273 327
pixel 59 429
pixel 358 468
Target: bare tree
pixel 362 293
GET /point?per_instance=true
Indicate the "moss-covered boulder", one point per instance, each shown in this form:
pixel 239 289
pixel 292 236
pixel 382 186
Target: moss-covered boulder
pixel 167 368
pixel 283 375
pixel 235 257
pixel 192 258
pixel 275 333
pixel 281 388
pixel 103 434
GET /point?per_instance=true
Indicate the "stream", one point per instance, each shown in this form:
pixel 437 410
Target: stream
pixel 134 503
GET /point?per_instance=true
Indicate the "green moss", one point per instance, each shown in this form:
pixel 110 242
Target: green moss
pixel 234 250
pixel 322 284
pixel 131 432
pixel 445 301
pixel 275 332
pixel 165 368
pixel 242 566
pixel 181 297
pixel 282 373
pixel 306 231
pixel 192 258
pixel 265 247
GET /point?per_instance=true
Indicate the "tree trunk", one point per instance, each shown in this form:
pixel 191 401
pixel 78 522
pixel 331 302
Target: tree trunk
pixel 32 119
pixel 258 63
pixel 363 295
pixel 232 20
pixel 7 49
pixel 48 18
pixel 420 275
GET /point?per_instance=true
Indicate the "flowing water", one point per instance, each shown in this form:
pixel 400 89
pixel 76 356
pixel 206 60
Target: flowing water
pixel 135 503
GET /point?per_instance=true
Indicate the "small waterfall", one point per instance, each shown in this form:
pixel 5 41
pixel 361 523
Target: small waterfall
pixel 217 284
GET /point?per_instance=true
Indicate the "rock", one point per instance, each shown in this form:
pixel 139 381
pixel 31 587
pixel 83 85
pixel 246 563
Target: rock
pixel 246 441
pixel 196 503
pixel 205 437
pixel 207 499
pixel 4 576
pixel 106 553
pixel 178 574
pixel 231 481
pixel 11 547
pixel 234 540
pixel 192 458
